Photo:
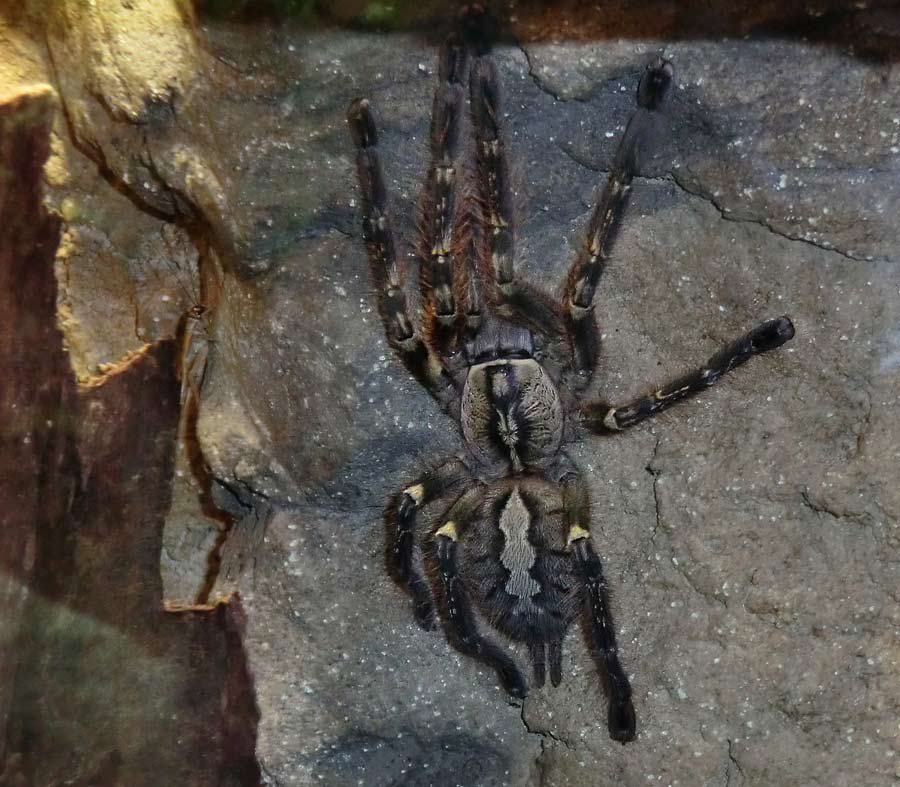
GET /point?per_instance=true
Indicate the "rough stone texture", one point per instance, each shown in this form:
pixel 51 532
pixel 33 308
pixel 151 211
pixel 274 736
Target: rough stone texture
pixel 750 536
pixel 101 685
pixel 129 74
pixel 126 274
pixel 23 57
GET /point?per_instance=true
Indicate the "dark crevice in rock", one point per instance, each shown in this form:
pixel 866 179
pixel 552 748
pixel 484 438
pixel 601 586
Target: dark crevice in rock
pixel 655 473
pixel 94 152
pixel 217 501
pixel 214 558
pixel 540 765
pixel 725 213
pixel 185 215
pixel 733 769
pixel 582 98
pixel 543 733
pixel 150 152
pixel 822 508
pixel 240 549
pixel 865 425
pixel 546 738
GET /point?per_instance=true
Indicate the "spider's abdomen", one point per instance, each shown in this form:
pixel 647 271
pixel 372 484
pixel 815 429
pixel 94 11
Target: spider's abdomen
pixel 516 562
pixel 511 414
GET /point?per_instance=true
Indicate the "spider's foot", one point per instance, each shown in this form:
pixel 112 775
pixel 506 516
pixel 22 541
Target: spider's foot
pixel 471 14
pixel 477 26
pixel 424 612
pixel 655 84
pixel 513 680
pixel 362 124
pixel 556 675
pixel 423 606
pixel 452 60
pixel 772 334
pixel 621 721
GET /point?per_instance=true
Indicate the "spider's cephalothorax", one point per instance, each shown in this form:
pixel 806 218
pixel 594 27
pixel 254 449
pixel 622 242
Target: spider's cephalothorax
pixel 511 364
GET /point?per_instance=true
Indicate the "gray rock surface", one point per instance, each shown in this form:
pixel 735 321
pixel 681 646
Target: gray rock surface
pixel 750 536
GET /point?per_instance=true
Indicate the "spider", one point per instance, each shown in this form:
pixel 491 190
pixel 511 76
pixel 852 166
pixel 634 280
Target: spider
pixel 512 365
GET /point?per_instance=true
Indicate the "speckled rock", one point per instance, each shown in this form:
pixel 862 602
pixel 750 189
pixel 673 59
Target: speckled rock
pixel 750 537
pixel 99 682
pixel 133 78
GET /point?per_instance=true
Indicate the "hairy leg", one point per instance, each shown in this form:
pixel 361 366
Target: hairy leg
pixel 601 418
pixel 400 536
pixel 402 334
pixel 450 295
pixel 584 275
pixel 456 611
pixel 598 623
pixel 512 298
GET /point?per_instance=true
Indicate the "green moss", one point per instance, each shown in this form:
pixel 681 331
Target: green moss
pixel 303 9
pixel 381 14
pixel 378 13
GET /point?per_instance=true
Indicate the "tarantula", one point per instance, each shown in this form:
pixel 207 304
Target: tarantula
pixel 511 364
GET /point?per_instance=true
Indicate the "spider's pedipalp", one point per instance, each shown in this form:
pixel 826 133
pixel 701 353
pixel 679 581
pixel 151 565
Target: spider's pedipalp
pixel 584 275
pixel 600 417
pixel 401 332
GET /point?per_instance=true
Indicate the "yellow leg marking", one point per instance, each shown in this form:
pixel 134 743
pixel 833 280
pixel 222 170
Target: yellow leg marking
pixel 435 366
pixel 577 532
pixel 416 492
pixel 449 530
pixel 609 420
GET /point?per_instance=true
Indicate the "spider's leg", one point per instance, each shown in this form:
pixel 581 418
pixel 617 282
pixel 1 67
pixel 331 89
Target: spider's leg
pixel 598 622
pixel 456 610
pixel 583 276
pixel 601 418
pixel 400 537
pixel 555 647
pixel 401 332
pixel 537 651
pixel 511 297
pixel 449 296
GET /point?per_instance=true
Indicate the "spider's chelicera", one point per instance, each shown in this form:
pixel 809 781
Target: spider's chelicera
pixel 511 364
